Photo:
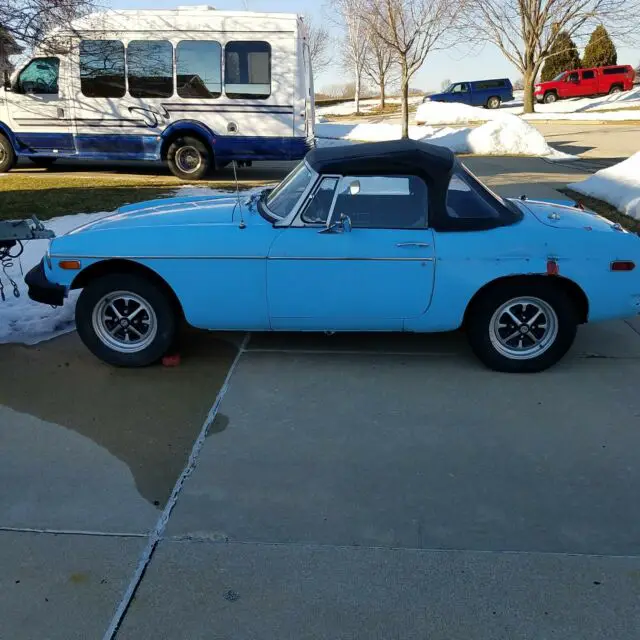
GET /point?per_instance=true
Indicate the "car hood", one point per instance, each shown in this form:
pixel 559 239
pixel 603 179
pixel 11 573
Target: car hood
pixel 438 96
pixel 564 216
pixel 172 212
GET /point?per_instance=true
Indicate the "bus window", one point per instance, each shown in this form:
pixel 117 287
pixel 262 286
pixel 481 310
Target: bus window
pixel 198 69
pixel 247 69
pixel 150 68
pixel 102 68
pixel 40 77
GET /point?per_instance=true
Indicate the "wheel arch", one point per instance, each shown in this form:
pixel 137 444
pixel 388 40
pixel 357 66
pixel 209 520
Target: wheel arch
pixel 10 136
pixel 187 128
pixel 120 265
pixel 573 290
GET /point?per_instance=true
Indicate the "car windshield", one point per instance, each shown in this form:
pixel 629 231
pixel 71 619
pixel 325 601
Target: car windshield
pixel 559 77
pixel 285 196
pixel 449 89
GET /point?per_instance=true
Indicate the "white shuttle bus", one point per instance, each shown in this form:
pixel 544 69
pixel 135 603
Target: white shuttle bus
pixel 195 87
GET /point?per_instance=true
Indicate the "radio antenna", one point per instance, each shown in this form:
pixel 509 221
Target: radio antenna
pixel 238 203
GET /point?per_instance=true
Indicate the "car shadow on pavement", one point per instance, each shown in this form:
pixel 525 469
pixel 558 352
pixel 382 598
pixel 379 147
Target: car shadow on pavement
pixel 148 418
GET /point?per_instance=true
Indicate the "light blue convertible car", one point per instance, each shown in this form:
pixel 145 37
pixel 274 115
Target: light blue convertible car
pixel 395 236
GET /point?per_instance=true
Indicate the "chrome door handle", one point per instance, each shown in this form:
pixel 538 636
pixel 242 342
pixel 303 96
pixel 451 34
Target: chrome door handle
pixel 413 244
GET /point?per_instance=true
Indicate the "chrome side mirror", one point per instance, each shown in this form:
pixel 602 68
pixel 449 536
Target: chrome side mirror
pixel 341 225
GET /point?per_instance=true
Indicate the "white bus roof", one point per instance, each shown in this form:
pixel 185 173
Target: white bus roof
pixel 184 18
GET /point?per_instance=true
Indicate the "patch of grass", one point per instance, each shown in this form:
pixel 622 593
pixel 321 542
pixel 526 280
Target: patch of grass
pixel 604 209
pixel 53 194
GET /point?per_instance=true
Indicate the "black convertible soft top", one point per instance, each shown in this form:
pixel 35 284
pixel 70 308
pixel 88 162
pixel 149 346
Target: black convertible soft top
pixel 383 157
pixel 435 165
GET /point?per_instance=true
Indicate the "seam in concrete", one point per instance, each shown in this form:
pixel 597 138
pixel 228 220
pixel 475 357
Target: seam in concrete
pixel 632 327
pixel 314 545
pixel 156 535
pixel 75 532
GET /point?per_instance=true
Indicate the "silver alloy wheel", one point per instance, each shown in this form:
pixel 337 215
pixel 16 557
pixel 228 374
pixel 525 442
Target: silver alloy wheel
pixel 3 154
pixel 188 159
pixel 615 90
pixel 550 98
pixel 494 103
pixel 125 322
pixel 523 328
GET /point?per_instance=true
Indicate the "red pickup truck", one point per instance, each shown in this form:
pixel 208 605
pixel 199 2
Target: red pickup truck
pixel 586 82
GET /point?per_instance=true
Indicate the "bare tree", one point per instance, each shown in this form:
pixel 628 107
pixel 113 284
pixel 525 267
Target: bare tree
pixel 445 84
pixel 526 30
pixel 320 44
pixel 412 28
pixel 355 41
pixel 378 63
pixel 29 21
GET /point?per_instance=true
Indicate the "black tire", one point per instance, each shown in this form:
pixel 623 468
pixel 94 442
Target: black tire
pixel 550 97
pixel 188 149
pixel 7 155
pixel 483 315
pixel 493 102
pixel 91 299
pixel 615 89
pixel 45 163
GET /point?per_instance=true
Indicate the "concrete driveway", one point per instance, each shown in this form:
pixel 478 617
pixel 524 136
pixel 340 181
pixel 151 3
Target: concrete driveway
pixel 358 486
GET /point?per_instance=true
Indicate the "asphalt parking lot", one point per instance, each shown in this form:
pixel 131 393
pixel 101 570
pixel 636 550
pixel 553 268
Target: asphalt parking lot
pixel 311 486
pixel 357 486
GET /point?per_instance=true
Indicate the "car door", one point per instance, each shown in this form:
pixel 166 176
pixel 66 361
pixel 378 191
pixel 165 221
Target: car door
pixel 358 257
pixel 38 107
pixel 573 87
pixel 589 82
pixel 460 93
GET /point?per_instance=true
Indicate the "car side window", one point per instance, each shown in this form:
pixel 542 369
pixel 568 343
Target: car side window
pixel 319 207
pixel 40 77
pixel 463 201
pixel 383 202
pixel 588 75
pixel 573 77
pixel 461 87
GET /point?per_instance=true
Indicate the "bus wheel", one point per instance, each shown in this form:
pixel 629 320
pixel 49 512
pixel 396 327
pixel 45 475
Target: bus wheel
pixel 189 158
pixel 7 156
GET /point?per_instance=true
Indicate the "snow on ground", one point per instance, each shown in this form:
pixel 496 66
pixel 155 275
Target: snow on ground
pixel 349 108
pixel 28 322
pixel 615 107
pixel 508 136
pixel 618 185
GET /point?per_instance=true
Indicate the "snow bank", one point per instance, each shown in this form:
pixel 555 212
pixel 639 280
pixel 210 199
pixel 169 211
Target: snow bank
pixel 615 107
pixel 618 185
pixel 349 108
pixel 509 135
pixel 28 322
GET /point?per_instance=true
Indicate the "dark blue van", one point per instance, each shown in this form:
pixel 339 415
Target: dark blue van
pixel 479 93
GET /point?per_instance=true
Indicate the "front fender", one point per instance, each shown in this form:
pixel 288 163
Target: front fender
pixel 6 131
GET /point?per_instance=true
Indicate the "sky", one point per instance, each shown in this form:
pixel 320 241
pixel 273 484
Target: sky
pixel 454 64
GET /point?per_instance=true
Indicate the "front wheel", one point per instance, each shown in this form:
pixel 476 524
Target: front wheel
pixel 126 320
pixel 7 155
pixel 550 98
pixel 522 327
pixel 189 158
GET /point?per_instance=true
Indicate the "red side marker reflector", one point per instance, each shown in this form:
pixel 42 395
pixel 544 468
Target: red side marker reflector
pixel 623 265
pixel 171 361
pixel 552 268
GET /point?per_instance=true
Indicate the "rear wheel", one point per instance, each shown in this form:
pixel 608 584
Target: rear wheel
pixel 615 89
pixel 7 155
pixel 550 97
pixel 189 158
pixel 126 320
pixel 493 102
pixel 522 327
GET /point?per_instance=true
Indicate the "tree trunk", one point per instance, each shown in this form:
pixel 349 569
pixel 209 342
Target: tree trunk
pixel 357 96
pixel 529 81
pixel 382 92
pixel 405 99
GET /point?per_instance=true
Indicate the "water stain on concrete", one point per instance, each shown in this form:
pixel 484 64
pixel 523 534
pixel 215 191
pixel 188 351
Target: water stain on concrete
pixel 148 418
